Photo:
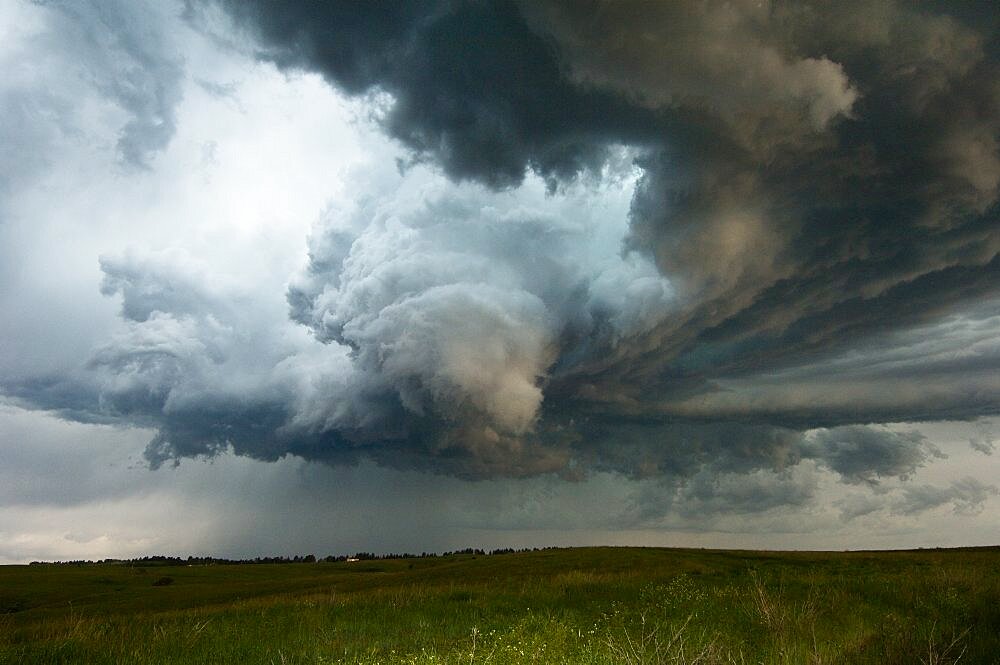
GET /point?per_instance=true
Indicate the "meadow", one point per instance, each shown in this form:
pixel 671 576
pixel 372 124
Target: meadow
pixel 580 605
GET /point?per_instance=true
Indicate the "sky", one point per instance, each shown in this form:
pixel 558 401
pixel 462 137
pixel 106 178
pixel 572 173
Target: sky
pixel 282 278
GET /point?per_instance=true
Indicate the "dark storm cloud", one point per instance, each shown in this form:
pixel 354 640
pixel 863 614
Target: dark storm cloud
pixel 816 177
pixel 475 89
pixel 696 502
pixel 812 248
pixel 863 454
pixel 796 234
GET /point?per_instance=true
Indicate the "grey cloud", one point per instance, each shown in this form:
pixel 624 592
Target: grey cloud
pixel 716 58
pixel 222 90
pixel 984 440
pixel 859 505
pixel 815 211
pixel 774 461
pixel 460 302
pixel 746 493
pixel 863 454
pixel 26 141
pixel 475 88
pixel 966 495
pixel 122 50
pixel 195 357
pixel 455 303
pixel 63 61
pixel 698 502
pixel 815 175
pixel 55 463
pixel 784 258
pixel 681 450
pixel 984 446
pixel 169 281
pixel 393 384
pixel 940 370
pixel 78 78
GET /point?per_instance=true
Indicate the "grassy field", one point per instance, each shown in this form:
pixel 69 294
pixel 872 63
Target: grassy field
pixel 587 605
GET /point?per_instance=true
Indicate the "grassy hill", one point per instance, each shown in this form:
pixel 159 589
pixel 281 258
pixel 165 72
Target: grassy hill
pixel 582 605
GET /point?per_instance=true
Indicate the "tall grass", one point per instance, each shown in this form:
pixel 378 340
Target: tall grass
pixel 592 606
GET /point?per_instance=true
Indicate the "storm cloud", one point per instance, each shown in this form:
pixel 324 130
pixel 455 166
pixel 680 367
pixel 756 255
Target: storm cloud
pixel 712 244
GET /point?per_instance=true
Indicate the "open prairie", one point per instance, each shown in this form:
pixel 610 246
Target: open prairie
pixel 586 605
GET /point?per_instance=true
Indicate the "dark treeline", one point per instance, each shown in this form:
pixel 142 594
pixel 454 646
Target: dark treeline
pixel 160 560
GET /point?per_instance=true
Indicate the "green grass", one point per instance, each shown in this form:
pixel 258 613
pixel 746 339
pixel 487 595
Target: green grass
pixel 587 605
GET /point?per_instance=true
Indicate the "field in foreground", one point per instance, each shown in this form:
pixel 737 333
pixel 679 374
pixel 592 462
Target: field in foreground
pixel 587 605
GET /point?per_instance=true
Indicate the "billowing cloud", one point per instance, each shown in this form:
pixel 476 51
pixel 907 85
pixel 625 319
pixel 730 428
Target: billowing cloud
pixel 709 245
pixel 862 454
pixel 718 58
pixel 474 88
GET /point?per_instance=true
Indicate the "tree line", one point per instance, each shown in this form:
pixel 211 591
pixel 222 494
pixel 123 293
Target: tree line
pixel 162 560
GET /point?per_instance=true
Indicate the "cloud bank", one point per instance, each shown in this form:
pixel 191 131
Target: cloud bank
pixel 690 242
